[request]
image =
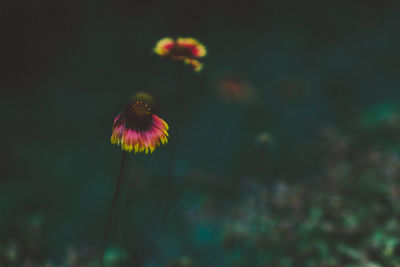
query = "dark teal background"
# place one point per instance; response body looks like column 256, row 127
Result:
column 69, row 67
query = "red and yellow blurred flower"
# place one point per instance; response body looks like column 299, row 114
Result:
column 187, row 50
column 138, row 129
column 234, row 88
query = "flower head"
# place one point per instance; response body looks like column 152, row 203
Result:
column 184, row 49
column 264, row 138
column 234, row 88
column 138, row 129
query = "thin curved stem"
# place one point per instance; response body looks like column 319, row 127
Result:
column 114, row 202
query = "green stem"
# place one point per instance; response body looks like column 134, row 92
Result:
column 114, row 202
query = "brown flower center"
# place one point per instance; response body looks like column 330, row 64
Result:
column 141, row 109
column 181, row 51
column 138, row 115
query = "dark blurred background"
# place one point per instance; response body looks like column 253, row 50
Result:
column 284, row 150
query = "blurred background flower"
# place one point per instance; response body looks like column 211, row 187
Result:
column 233, row 88
column 183, row 49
